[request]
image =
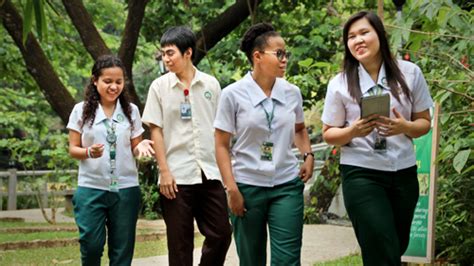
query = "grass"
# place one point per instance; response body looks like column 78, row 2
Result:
column 71, row 255
column 353, row 260
column 23, row 224
column 14, row 237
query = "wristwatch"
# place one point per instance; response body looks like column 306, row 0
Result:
column 306, row 154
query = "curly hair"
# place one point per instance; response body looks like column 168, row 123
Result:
column 256, row 38
column 92, row 97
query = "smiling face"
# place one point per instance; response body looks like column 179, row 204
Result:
column 267, row 60
column 174, row 60
column 363, row 42
column 110, row 84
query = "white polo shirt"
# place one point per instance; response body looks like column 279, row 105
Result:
column 95, row 172
column 340, row 110
column 189, row 144
column 241, row 113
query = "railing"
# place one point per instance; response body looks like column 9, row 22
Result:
column 12, row 193
column 13, row 175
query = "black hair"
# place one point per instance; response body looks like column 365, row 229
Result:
column 181, row 36
column 255, row 38
column 394, row 76
column 92, row 96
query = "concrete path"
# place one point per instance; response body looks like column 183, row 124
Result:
column 320, row 242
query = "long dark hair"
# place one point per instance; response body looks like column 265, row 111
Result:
column 393, row 74
column 256, row 38
column 92, row 97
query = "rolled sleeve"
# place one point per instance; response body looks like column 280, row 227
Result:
column 75, row 118
column 137, row 122
column 153, row 113
column 225, row 116
column 334, row 110
column 421, row 96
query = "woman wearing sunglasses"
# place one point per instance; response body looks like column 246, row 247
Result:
column 264, row 114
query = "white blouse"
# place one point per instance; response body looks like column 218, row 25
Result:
column 341, row 110
column 95, row 172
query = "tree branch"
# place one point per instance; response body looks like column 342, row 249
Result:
column 37, row 63
column 128, row 46
column 221, row 26
column 456, row 92
column 82, row 21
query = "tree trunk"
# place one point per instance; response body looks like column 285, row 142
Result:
column 222, row 25
column 38, row 64
column 82, row 21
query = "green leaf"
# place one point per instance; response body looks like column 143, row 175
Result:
column 322, row 64
column 460, row 160
column 306, row 63
column 27, row 19
column 40, row 18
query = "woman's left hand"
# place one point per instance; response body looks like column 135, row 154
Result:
column 144, row 148
column 390, row 127
column 306, row 170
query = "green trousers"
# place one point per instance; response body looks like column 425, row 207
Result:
column 94, row 211
column 281, row 207
column 380, row 205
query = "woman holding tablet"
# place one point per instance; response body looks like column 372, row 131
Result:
column 378, row 163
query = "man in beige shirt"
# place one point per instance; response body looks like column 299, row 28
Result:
column 180, row 111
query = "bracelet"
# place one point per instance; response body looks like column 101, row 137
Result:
column 89, row 154
column 306, row 154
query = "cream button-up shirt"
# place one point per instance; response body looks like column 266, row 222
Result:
column 189, row 144
column 340, row 110
column 95, row 172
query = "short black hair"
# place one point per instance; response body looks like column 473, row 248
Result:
column 256, row 38
column 181, row 36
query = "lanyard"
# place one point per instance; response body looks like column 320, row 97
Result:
column 269, row 116
column 112, row 141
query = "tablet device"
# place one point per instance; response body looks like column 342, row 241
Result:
column 376, row 104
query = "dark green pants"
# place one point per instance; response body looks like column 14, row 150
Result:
column 380, row 205
column 96, row 209
column 281, row 207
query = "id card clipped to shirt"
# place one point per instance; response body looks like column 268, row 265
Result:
column 185, row 108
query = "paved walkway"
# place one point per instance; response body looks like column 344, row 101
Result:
column 320, row 242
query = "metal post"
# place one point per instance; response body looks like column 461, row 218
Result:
column 12, row 182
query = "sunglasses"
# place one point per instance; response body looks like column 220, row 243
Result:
column 280, row 54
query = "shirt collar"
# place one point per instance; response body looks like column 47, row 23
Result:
column 256, row 93
column 118, row 115
column 366, row 82
column 198, row 77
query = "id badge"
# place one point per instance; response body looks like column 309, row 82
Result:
column 114, row 184
column 266, row 151
column 380, row 144
column 185, row 111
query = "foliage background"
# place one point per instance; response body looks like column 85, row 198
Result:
column 436, row 35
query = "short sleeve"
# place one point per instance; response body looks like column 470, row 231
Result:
column 421, row 96
column 299, row 107
column 225, row 115
column 153, row 112
column 137, row 122
column 334, row 111
column 75, row 118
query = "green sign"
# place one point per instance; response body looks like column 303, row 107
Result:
column 417, row 246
